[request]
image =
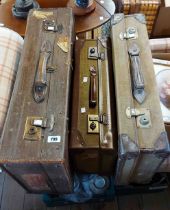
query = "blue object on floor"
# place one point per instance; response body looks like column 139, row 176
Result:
column 87, row 188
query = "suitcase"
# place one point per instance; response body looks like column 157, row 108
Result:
column 143, row 143
column 93, row 134
column 149, row 8
column 34, row 146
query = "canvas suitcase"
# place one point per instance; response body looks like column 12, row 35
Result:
column 93, row 134
column 143, row 143
column 34, row 145
column 149, row 8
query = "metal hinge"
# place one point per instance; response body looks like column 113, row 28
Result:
column 34, row 126
column 131, row 33
column 94, row 121
column 142, row 116
column 93, row 54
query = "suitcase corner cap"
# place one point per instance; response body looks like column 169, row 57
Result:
column 162, row 145
column 117, row 18
column 127, row 148
column 140, row 17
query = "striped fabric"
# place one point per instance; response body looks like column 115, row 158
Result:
column 10, row 51
column 160, row 45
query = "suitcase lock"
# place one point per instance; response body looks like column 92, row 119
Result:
column 142, row 116
column 50, row 25
column 94, row 121
column 131, row 33
column 34, row 126
column 93, row 54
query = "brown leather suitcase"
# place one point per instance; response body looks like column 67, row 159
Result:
column 93, row 133
column 34, row 146
column 143, row 144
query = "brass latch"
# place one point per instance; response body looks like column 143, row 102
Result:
column 50, row 25
column 94, row 121
column 93, row 54
column 131, row 33
column 142, row 116
column 34, row 126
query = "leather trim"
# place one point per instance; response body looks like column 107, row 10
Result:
column 128, row 149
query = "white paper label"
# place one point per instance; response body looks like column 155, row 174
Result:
column 83, row 110
column 38, row 122
column 85, row 79
column 101, row 17
column 54, row 139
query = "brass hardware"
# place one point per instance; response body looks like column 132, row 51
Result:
column 142, row 116
column 34, row 126
column 131, row 33
column 93, row 54
column 95, row 120
column 33, row 132
column 93, row 124
column 50, row 25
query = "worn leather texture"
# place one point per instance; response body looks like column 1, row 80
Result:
column 37, row 155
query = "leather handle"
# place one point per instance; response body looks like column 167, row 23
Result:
column 136, row 72
column 40, row 84
column 93, row 88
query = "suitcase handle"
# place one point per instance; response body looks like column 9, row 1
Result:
column 93, row 88
column 136, row 72
column 40, row 84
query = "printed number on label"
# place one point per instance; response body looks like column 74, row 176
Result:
column 54, row 139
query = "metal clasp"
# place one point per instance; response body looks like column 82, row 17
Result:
column 95, row 120
column 50, row 25
column 93, row 54
column 142, row 116
column 34, row 126
column 131, row 33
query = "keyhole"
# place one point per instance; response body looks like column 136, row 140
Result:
column 32, row 131
column 144, row 120
column 92, row 125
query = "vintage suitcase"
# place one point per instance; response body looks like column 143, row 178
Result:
column 149, row 8
column 93, row 134
column 34, row 146
column 143, row 143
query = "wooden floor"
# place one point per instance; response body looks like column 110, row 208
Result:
column 14, row 197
